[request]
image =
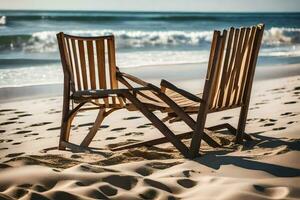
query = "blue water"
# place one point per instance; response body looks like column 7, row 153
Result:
column 29, row 54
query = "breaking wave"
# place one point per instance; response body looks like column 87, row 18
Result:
column 46, row 41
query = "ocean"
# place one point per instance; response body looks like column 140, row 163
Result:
column 29, row 53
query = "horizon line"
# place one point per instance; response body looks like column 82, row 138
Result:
column 148, row 11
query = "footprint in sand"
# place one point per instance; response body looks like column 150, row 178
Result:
column 31, row 134
column 297, row 88
column 291, row 122
column 134, row 133
column 124, row 182
column 6, row 110
column 268, row 124
column 118, row 129
column 290, row 102
column 40, row 124
column 226, row 117
column 276, row 89
column 161, row 165
column 54, row 128
column 12, row 119
column 11, row 155
column 108, row 190
column 39, row 138
column 144, row 126
column 260, row 103
column 279, row 128
column 131, row 118
column 270, row 120
column 186, row 183
column 16, row 143
column 4, row 148
column 187, row 173
column 2, row 131
column 7, row 123
column 273, row 120
column 19, row 112
column 75, row 156
column 286, row 113
column 25, row 115
column 275, row 192
column 110, row 138
column 22, row 132
column 149, row 194
column 157, row 185
column 104, row 126
column 144, row 171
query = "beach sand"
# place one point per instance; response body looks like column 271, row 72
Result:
column 266, row 168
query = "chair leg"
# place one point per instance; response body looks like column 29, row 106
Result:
column 242, row 124
column 88, row 139
column 65, row 123
column 159, row 125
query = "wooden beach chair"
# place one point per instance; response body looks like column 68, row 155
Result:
column 228, row 84
column 91, row 81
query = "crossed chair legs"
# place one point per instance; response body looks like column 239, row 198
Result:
column 169, row 136
column 198, row 131
column 67, row 119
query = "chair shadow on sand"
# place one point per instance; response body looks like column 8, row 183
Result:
column 217, row 159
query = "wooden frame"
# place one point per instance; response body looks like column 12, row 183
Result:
column 88, row 81
column 228, row 85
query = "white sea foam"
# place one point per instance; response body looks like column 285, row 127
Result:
column 46, row 41
column 281, row 36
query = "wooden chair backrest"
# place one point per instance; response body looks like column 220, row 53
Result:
column 88, row 62
column 231, row 67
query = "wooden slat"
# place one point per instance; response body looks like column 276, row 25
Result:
column 238, row 63
column 71, row 62
column 225, row 73
column 90, row 49
column 215, row 90
column 101, row 63
column 74, row 49
column 211, row 55
column 248, row 57
column 243, row 67
column 232, row 67
column 82, row 64
column 101, row 66
column 67, row 60
column 112, row 65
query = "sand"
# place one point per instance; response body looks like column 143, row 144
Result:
column 31, row 167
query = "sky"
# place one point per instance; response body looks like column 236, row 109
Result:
column 156, row 5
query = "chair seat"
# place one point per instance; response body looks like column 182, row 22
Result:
column 154, row 103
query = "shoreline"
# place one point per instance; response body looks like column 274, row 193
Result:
column 152, row 74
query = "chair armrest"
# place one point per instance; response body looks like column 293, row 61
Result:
column 122, row 75
column 166, row 84
column 103, row 93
